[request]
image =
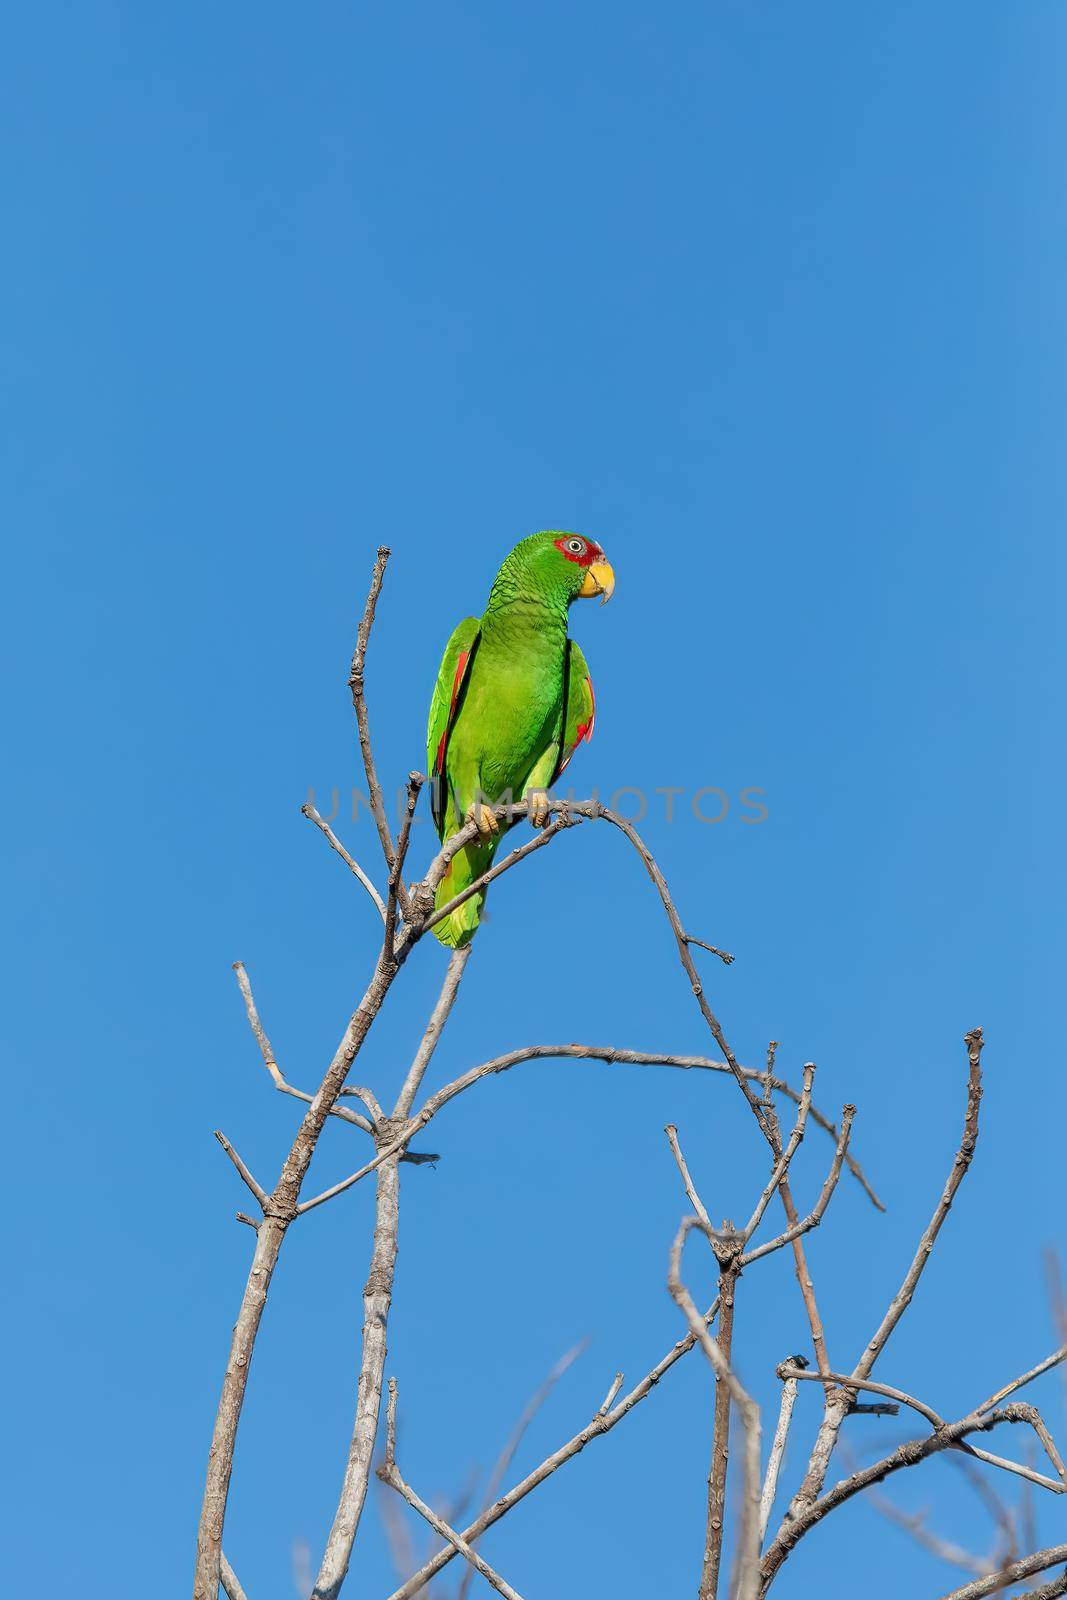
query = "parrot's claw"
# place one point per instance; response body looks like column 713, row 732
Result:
column 540, row 810
column 483, row 818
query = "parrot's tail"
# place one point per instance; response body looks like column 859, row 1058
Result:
column 458, row 928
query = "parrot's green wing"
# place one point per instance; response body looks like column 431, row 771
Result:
column 447, row 693
column 579, row 707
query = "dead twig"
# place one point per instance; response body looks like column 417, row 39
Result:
column 359, row 705
column 1027, row 1377
column 377, row 1300
column 1047, row 1591
column 350, row 862
column 602, row 1423
column 690, row 1188
column 748, row 1410
column 231, row 1585
column 804, row 1225
column 270, row 1062
column 405, row 1131
column 781, row 1434
column 613, row 1412
column 724, row 955
column 396, row 871
column 715, row 1522
column 390, row 1473
column 1028, row 1567
column 781, row 1165
column 512, row 860
column 391, row 1136
column 438, row 1017
column 257, row 1189
column 791, row 1370
column 281, row 1206
column 837, row 1404
column 614, row 1055
column 947, row 1437
column 527, row 1415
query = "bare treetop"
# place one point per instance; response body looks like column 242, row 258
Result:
column 740, row 1509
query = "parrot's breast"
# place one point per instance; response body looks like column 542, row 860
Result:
column 512, row 711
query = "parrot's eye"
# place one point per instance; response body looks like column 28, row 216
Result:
column 576, row 547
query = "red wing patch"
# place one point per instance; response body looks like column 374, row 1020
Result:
column 584, row 730
column 461, row 667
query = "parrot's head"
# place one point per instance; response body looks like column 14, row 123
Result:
column 563, row 566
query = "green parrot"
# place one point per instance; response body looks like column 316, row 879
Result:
column 513, row 701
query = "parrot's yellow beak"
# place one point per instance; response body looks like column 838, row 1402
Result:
column 599, row 579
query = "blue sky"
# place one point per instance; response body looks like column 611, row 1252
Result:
column 769, row 300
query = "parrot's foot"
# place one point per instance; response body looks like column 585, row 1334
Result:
column 482, row 816
column 540, row 811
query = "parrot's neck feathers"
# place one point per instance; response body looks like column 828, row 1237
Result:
column 517, row 596
column 522, row 615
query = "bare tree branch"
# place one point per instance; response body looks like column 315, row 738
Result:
column 377, row 1298
column 1027, row 1377
column 408, row 916
column 391, row 1136
column 794, row 1229
column 909, row 1454
column 715, row 1521
column 396, row 871
column 601, row 1423
column 1040, row 1561
column 229, row 1580
column 605, row 1419
column 1047, row 1591
column 359, row 705
column 724, row 955
column 279, row 1213
column 613, row 1055
column 257, row 1189
column 690, row 1188
column 407, row 1130
column 512, row 860
column 781, row 1166
column 1026, row 1413
column 386, row 1153
column 271, row 1064
column 527, row 1415
column 748, row 1576
column 389, row 1473
column 790, row 1370
column 375, row 1110
column 283, row 1204
column 438, row 1017
column 804, row 1225
column 781, row 1434
column 682, row 941
column 568, row 812
column 609, row 1399
column 350, row 862
column 727, row 1258
column 960, row 1166
column 837, row 1404
column 1016, row 1467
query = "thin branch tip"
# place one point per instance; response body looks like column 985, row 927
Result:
column 257, row 1189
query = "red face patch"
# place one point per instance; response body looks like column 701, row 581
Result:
column 583, row 552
